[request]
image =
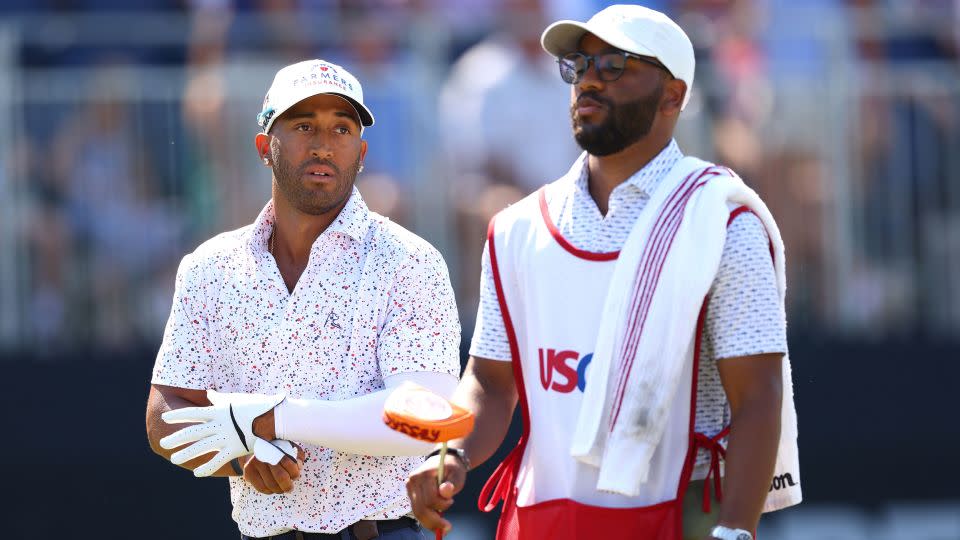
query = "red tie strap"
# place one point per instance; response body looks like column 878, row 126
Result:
column 501, row 482
column 717, row 452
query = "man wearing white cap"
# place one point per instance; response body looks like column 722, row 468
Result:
column 286, row 335
column 635, row 309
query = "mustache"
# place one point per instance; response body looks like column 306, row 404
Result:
column 595, row 96
column 314, row 162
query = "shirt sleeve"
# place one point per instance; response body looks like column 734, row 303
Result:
column 188, row 357
column 421, row 329
column 745, row 315
column 489, row 335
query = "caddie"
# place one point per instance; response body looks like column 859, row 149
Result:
column 635, row 310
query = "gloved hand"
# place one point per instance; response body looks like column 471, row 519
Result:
column 227, row 429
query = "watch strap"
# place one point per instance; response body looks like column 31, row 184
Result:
column 459, row 452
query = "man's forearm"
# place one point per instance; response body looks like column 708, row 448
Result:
column 165, row 399
column 751, row 456
column 492, row 404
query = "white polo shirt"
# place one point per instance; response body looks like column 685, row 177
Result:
column 744, row 315
column 374, row 300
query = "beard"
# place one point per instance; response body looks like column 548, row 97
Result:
column 625, row 124
column 313, row 201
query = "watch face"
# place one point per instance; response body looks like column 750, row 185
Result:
column 744, row 536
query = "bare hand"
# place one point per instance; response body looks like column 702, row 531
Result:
column 273, row 479
column 428, row 499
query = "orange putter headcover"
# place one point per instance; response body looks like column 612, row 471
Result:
column 416, row 411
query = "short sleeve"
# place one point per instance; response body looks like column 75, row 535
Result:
column 421, row 329
column 490, row 334
column 745, row 315
column 188, row 356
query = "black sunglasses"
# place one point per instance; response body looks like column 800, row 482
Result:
column 610, row 65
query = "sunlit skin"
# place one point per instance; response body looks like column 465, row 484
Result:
column 315, row 151
column 639, row 79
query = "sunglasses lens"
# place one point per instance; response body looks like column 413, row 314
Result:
column 567, row 73
column 572, row 67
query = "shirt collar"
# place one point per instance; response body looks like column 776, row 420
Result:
column 647, row 178
column 353, row 221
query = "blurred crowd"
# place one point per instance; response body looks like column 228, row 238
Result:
column 133, row 122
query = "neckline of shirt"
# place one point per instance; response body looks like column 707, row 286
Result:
column 352, row 221
column 645, row 180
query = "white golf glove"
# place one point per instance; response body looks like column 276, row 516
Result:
column 227, row 429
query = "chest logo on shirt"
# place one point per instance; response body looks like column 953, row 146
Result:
column 567, row 365
column 332, row 319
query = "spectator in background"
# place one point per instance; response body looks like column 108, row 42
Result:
column 206, row 152
column 46, row 235
column 502, row 137
column 466, row 21
column 792, row 183
column 767, row 68
column 906, row 198
column 284, row 30
column 897, row 121
column 393, row 174
column 123, row 233
column 88, row 43
column 725, row 34
column 807, row 60
column 496, row 84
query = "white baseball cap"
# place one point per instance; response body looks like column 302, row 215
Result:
column 309, row 78
column 630, row 28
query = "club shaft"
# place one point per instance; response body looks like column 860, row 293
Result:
column 443, row 457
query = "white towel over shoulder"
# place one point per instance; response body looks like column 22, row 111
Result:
column 662, row 276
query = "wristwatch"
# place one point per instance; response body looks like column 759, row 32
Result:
column 726, row 533
column 461, row 455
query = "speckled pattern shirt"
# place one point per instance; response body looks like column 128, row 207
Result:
column 374, row 300
column 744, row 316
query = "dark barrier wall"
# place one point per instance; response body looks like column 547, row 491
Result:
column 877, row 423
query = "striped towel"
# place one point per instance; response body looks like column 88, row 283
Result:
column 663, row 274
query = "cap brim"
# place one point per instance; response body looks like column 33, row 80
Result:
column 366, row 117
column 564, row 37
